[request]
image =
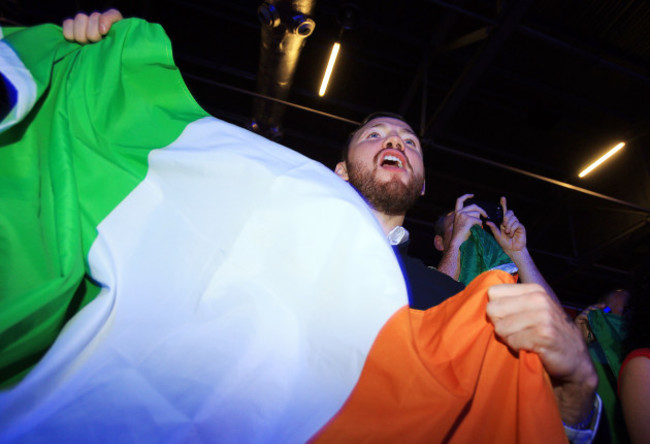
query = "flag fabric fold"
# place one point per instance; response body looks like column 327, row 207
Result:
column 205, row 284
column 447, row 378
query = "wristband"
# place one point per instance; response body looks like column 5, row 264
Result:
column 585, row 423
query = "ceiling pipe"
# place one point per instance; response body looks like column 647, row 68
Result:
column 285, row 26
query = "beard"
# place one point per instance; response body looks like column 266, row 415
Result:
column 392, row 198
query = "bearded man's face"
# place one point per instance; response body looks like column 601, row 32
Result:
column 385, row 165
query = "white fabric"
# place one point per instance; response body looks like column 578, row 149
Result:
column 509, row 267
column 244, row 285
column 20, row 78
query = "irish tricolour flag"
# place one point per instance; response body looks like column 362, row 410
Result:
column 168, row 277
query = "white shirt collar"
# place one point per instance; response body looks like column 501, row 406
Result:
column 398, row 235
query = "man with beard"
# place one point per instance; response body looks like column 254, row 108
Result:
column 383, row 162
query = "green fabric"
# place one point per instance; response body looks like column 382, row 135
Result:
column 480, row 253
column 607, row 355
column 609, row 329
column 60, row 176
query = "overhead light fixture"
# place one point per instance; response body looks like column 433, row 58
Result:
column 330, row 67
column 609, row 154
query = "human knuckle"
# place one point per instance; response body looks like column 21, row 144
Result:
column 537, row 290
column 546, row 332
column 501, row 328
column 492, row 310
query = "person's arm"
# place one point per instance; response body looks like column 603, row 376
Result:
column 526, row 317
column 85, row 28
column 528, row 271
column 464, row 219
column 634, row 391
column 511, row 236
column 450, row 263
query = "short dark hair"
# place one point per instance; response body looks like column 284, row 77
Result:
column 439, row 226
column 368, row 118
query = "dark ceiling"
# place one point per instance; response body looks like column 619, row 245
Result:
column 511, row 98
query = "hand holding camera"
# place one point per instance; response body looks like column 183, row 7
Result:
column 510, row 233
column 464, row 218
column 493, row 210
column 494, row 217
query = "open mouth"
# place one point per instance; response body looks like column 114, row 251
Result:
column 392, row 160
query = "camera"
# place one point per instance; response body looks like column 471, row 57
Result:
column 494, row 210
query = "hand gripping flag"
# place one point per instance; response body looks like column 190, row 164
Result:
column 190, row 281
column 481, row 252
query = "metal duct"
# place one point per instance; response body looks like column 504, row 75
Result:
column 285, row 26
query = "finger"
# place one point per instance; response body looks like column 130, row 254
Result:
column 586, row 311
column 92, row 29
column 529, row 318
column 517, row 338
column 474, row 210
column 598, row 306
column 517, row 313
column 504, row 204
column 508, row 219
column 581, row 318
column 461, row 201
column 538, row 339
column 68, row 29
column 80, row 26
column 513, row 224
column 493, row 228
column 516, row 307
column 465, row 222
column 507, row 290
column 107, row 19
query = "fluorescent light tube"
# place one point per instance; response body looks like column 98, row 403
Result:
column 330, row 67
column 609, row 154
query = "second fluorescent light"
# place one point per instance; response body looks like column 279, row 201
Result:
column 607, row 155
column 330, row 67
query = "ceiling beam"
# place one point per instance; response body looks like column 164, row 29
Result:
column 508, row 22
column 439, row 34
column 588, row 53
column 624, row 203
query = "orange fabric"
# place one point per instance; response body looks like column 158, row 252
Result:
column 441, row 375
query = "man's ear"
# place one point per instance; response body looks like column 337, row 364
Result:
column 341, row 170
column 438, row 243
